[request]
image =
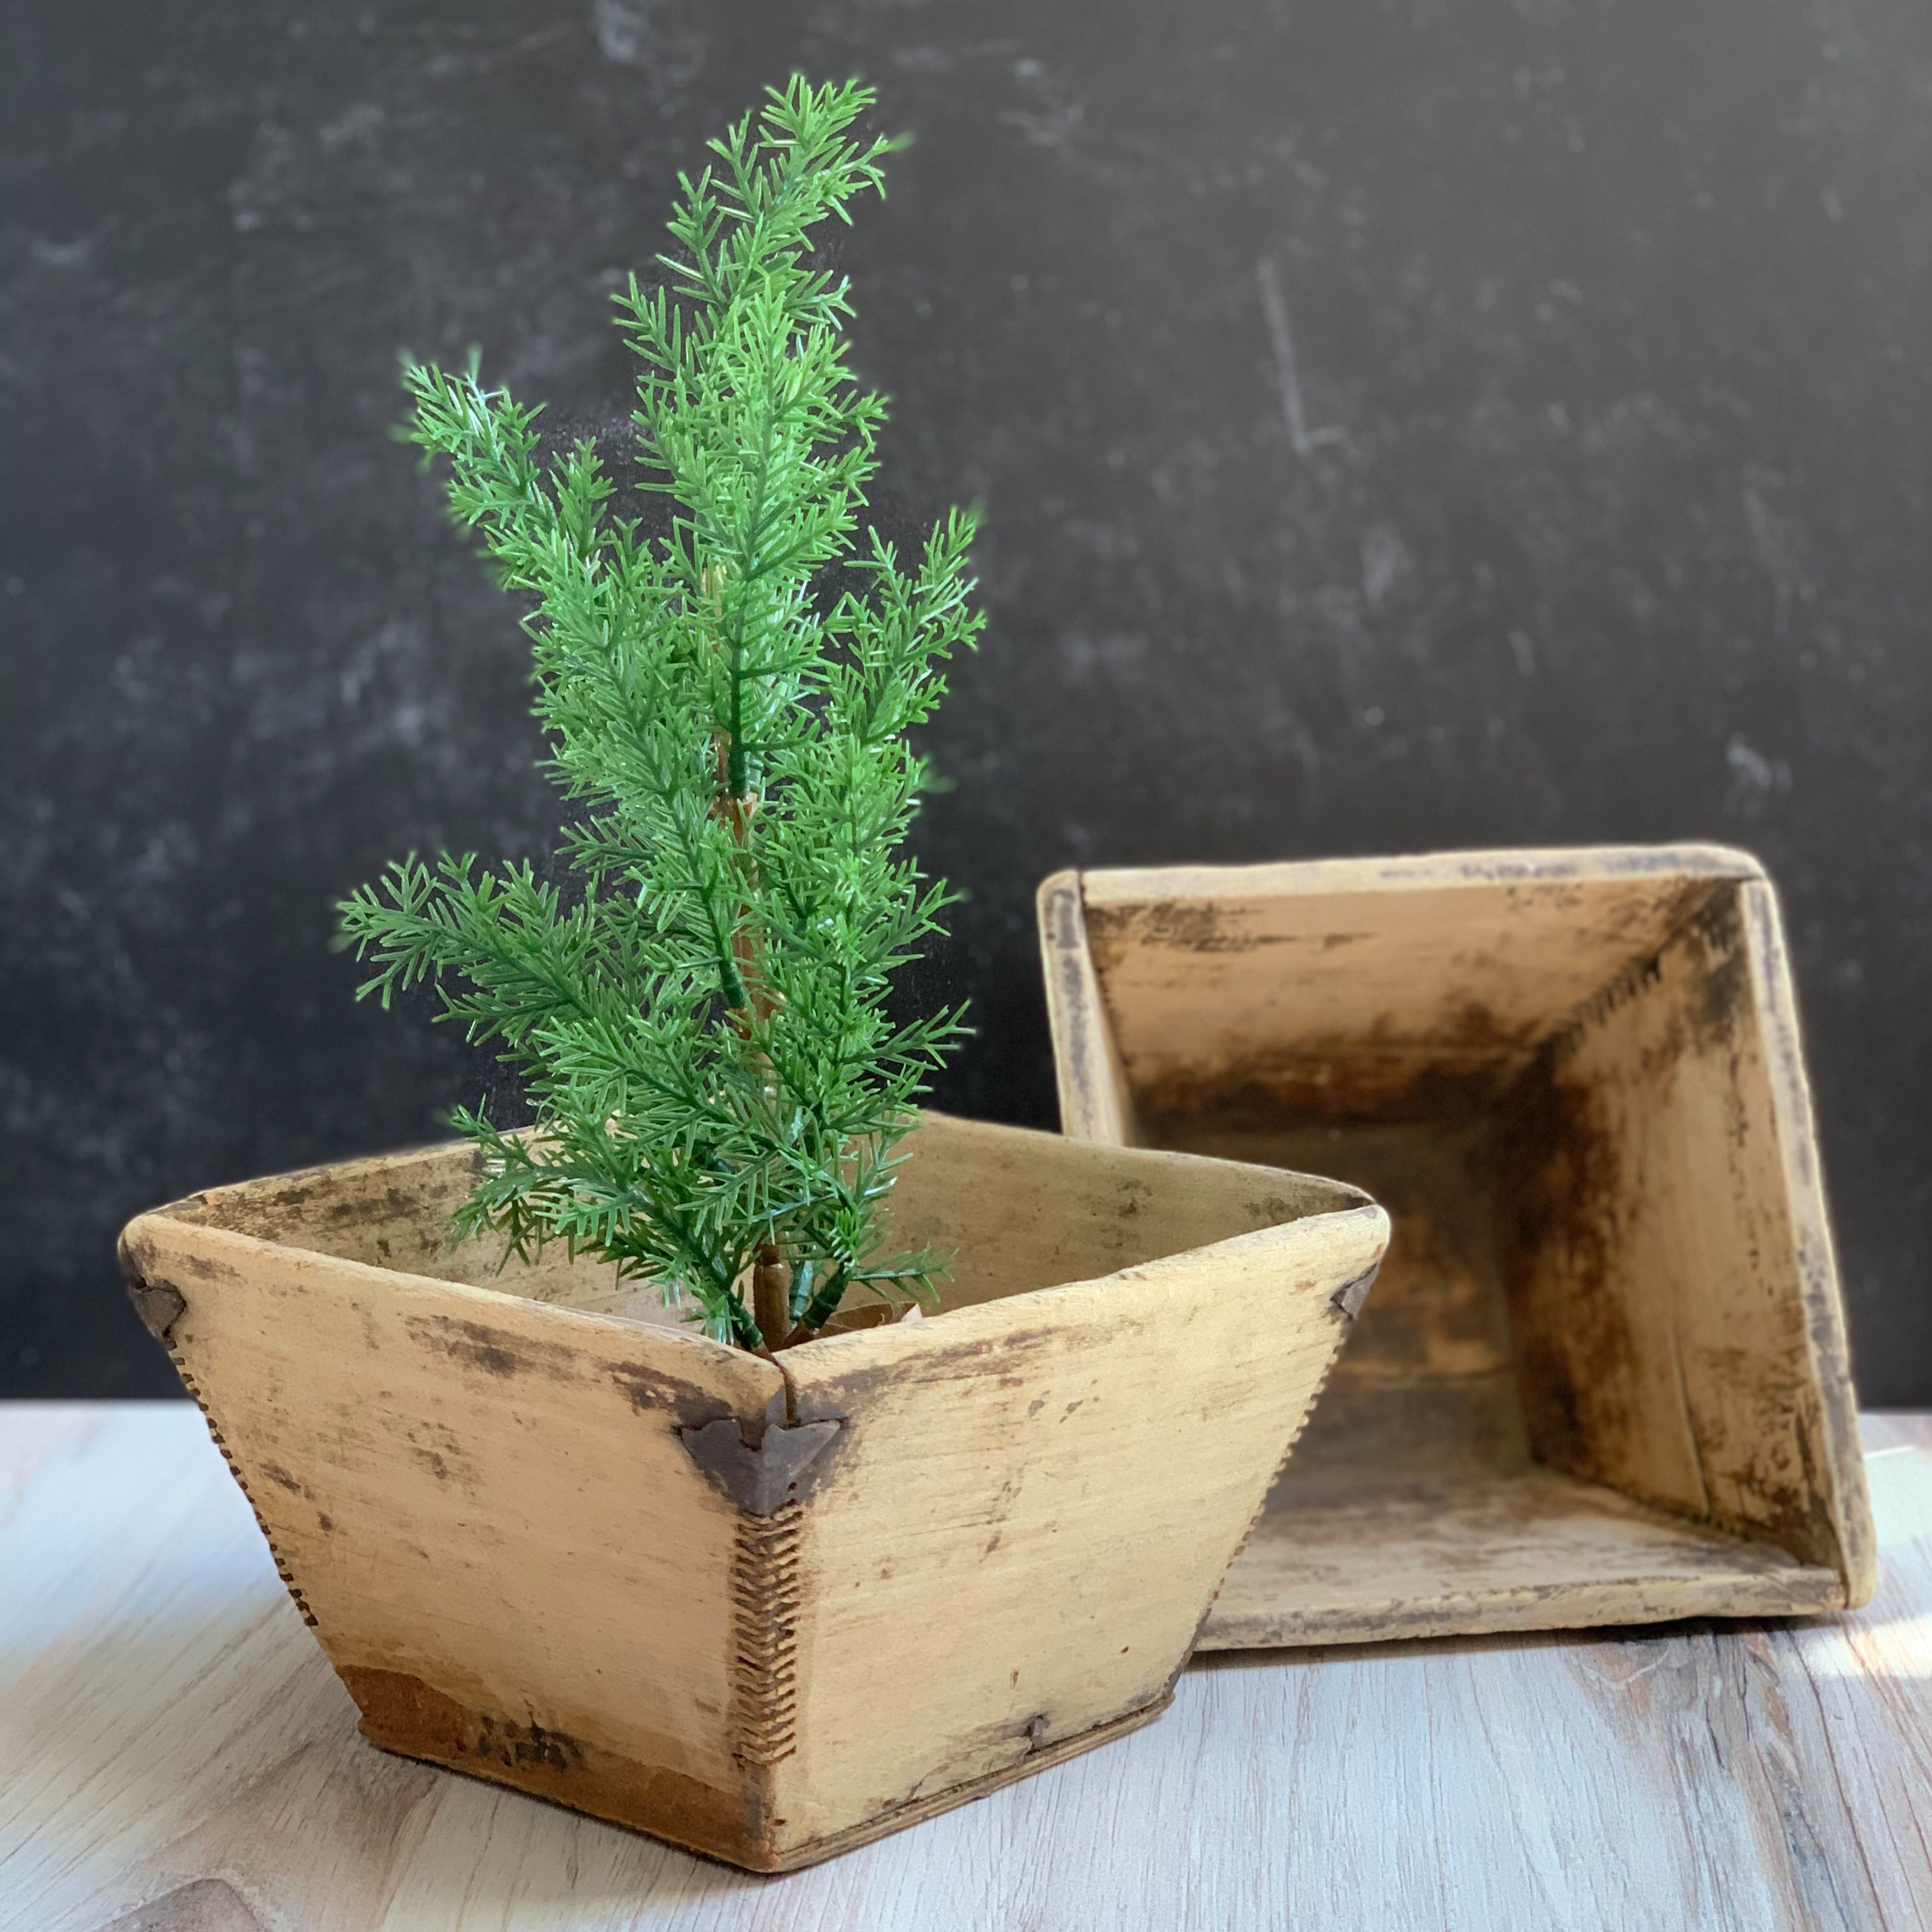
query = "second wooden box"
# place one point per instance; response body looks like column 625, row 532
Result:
column 1603, row 1378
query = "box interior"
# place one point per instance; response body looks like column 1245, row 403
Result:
column 1553, row 1405
column 1012, row 1211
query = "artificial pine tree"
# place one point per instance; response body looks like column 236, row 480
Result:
column 701, row 1022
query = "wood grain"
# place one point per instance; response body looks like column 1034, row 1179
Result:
column 1353, row 978
column 1676, row 1341
column 616, row 1563
column 1603, row 1377
column 171, row 1732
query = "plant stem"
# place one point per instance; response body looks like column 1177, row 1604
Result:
column 824, row 1304
column 735, row 803
column 771, row 1297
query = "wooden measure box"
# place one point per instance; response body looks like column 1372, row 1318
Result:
column 1603, row 1378
column 549, row 1534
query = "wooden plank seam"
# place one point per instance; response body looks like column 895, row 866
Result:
column 160, row 1306
column 767, row 1598
column 282, row 1569
column 1346, row 1303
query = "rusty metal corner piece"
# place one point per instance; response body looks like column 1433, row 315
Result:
column 1348, row 1299
column 159, row 1305
column 761, row 1480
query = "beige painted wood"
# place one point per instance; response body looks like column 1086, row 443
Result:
column 1095, row 1102
column 180, row 1758
column 1101, row 1450
column 1603, row 1377
column 612, row 1562
column 1669, row 1333
column 1409, row 1555
column 1361, row 976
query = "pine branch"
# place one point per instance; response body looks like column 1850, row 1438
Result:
column 703, row 1028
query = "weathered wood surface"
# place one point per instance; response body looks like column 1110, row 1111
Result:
column 617, row 1565
column 1364, row 974
column 175, row 1755
column 1603, row 1376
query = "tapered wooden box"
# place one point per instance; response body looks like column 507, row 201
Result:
column 765, row 1608
column 1604, row 1377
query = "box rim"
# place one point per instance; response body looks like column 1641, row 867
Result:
column 855, row 1348
column 1104, row 888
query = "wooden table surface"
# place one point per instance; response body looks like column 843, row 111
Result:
column 176, row 1756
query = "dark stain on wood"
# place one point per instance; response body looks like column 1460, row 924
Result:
column 501, row 1352
column 1325, row 1196
column 1000, row 1359
column 1570, row 1198
column 518, row 1746
column 652, row 1392
column 1323, row 1080
column 401, row 1713
column 1721, row 1000
column 1561, row 1175
column 1197, row 926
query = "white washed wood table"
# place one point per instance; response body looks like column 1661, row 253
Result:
column 176, row 1756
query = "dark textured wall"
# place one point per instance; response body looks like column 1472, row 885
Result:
column 1400, row 426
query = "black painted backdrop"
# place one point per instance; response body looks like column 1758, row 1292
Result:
column 1401, row 426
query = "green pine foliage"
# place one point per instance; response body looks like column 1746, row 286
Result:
column 701, row 1021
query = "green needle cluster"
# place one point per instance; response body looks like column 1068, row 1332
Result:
column 701, row 1020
